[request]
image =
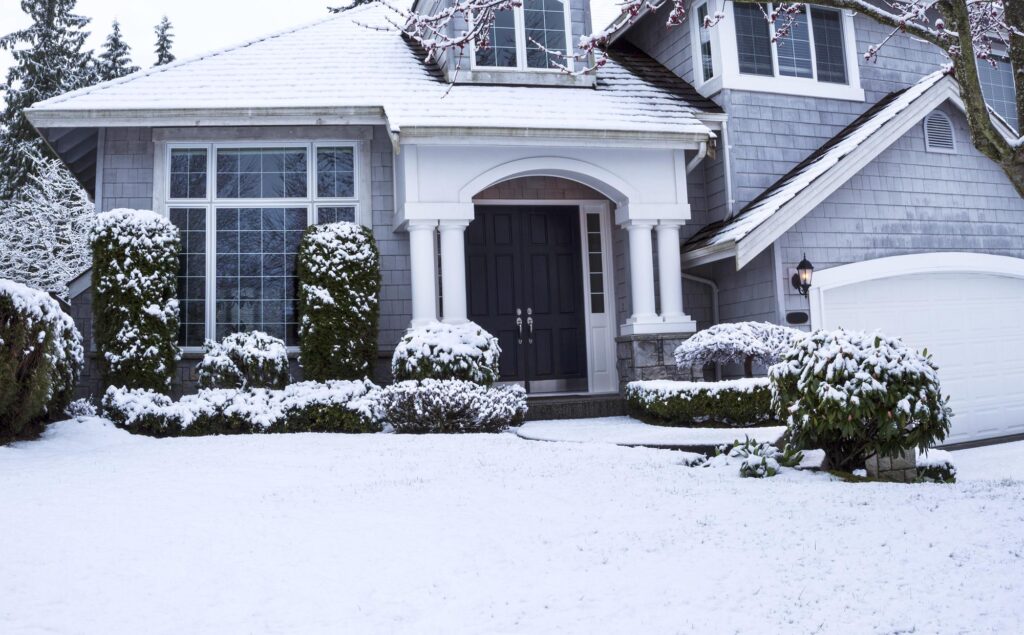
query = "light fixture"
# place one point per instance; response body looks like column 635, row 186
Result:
column 803, row 276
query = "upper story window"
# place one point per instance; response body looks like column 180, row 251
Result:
column 816, row 58
column 534, row 36
column 1000, row 93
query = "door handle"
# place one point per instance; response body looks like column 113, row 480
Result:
column 519, row 324
column 529, row 322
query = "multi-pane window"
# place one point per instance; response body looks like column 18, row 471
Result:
column 191, row 224
column 707, row 62
column 813, row 48
column 241, row 229
column 997, row 85
column 531, row 36
column 595, row 259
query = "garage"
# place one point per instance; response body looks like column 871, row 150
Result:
column 966, row 309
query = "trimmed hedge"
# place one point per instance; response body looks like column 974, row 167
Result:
column 739, row 403
column 244, row 360
column 40, row 360
column 135, row 306
column 449, row 406
column 339, row 283
column 855, row 394
column 336, row 406
column 441, row 351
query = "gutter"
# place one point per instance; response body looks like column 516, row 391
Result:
column 711, row 284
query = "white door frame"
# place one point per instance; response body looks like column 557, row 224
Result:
column 910, row 264
column 602, row 372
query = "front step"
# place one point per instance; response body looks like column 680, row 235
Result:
column 577, row 407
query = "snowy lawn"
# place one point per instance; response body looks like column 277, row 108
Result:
column 629, row 431
column 108, row 533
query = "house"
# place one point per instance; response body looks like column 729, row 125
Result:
column 591, row 221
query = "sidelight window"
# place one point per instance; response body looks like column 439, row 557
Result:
column 241, row 221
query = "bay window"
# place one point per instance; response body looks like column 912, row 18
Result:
column 533, row 36
column 241, row 211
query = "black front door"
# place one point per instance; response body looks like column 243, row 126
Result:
column 525, row 285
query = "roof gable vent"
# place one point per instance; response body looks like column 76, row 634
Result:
column 938, row 133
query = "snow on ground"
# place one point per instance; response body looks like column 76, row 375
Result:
column 107, row 533
column 1004, row 461
column 629, row 431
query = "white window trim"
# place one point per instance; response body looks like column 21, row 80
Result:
column 726, row 52
column 162, row 202
column 927, row 138
column 521, row 66
column 698, row 55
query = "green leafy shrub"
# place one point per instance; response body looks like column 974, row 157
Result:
column 40, row 360
column 935, row 466
column 744, row 343
column 447, row 351
column 855, row 394
column 135, row 310
column 339, row 283
column 449, row 406
column 727, row 404
column 335, row 406
column 244, row 360
column 756, row 459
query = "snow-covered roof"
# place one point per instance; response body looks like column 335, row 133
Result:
column 832, row 157
column 339, row 64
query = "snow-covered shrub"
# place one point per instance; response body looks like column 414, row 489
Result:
column 244, row 360
column 734, row 403
column 135, row 310
column 339, row 283
column 334, row 406
column 855, row 394
column 447, row 351
column 40, row 359
column 756, row 460
column 744, row 343
column 44, row 229
column 80, row 409
column 935, row 466
column 448, row 406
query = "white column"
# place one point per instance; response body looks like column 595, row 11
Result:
column 670, row 281
column 424, row 271
column 641, row 271
column 453, row 270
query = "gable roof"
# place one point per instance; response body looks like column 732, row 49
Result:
column 339, row 70
column 792, row 197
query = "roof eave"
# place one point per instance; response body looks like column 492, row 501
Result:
column 185, row 117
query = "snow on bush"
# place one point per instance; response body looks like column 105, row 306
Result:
column 244, row 360
column 735, row 403
column 44, row 229
column 333, row 406
column 744, row 343
column 135, row 310
column 339, row 283
column 447, row 351
column 80, row 409
column 855, row 394
column 448, row 406
column 935, row 466
column 756, row 460
column 40, row 359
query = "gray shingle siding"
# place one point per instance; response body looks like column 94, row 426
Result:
column 910, row 201
column 127, row 169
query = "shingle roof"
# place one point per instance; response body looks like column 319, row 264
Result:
column 339, row 63
column 828, row 157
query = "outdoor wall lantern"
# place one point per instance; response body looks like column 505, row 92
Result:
column 803, row 276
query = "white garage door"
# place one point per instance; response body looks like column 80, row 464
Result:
column 972, row 323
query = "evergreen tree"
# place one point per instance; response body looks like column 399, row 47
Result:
column 116, row 59
column 164, row 40
column 48, row 60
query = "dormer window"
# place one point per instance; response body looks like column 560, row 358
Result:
column 816, row 58
column 534, row 36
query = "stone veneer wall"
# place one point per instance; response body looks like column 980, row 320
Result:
column 643, row 357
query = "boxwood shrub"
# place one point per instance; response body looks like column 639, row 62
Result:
column 447, row 351
column 734, row 403
column 339, row 283
column 856, row 394
column 448, row 406
column 244, row 360
column 336, row 406
column 40, row 360
column 135, row 309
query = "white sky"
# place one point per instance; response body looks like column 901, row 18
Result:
column 201, row 25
